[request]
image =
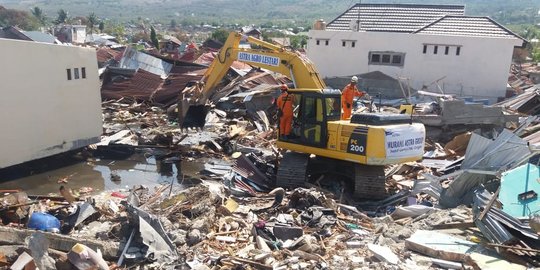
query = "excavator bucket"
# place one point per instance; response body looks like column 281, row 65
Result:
column 191, row 114
column 194, row 116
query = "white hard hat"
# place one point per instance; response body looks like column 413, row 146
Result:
column 354, row 79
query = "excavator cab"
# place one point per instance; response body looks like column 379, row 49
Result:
column 315, row 109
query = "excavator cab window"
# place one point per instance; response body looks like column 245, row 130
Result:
column 333, row 108
column 313, row 120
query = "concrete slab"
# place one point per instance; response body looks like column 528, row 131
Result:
column 440, row 245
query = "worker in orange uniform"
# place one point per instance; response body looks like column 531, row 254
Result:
column 285, row 103
column 347, row 95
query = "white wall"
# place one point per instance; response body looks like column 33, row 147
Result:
column 481, row 69
column 41, row 112
column 79, row 34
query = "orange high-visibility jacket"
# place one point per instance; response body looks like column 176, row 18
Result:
column 285, row 102
column 349, row 92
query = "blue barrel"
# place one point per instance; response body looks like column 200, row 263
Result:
column 44, row 222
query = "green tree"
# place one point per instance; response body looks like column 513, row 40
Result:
column 62, row 17
column 101, row 26
column 22, row 19
column 38, row 13
column 91, row 21
column 220, row 35
column 153, row 37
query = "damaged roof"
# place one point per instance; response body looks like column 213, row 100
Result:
column 392, row 17
column 451, row 25
column 146, row 86
column 133, row 59
column 105, row 54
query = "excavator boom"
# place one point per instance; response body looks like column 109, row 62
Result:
column 275, row 58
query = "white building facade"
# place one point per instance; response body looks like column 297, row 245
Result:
column 50, row 100
column 466, row 56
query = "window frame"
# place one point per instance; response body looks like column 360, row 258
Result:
column 69, row 77
column 83, row 72
column 386, row 58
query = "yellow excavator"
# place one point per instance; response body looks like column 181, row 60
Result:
column 322, row 144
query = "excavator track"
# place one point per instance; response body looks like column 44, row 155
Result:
column 369, row 182
column 292, row 170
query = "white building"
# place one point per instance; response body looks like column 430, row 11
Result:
column 75, row 34
column 466, row 55
column 50, row 100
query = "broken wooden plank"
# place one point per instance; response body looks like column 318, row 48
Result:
column 447, row 264
column 456, row 225
column 14, row 236
column 253, row 263
column 440, row 245
column 489, row 204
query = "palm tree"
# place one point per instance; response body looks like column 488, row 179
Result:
column 101, row 26
column 62, row 16
column 92, row 21
column 38, row 13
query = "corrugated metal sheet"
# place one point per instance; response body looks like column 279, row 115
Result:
column 392, row 17
column 105, row 54
column 527, row 102
column 467, row 26
column 495, row 223
column 498, row 155
column 145, row 86
column 134, row 59
column 503, row 153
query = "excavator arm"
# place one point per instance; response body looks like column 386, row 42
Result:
column 275, row 58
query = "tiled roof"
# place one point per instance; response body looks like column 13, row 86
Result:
column 392, row 17
column 467, row 26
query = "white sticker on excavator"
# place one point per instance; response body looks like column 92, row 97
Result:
column 405, row 141
column 258, row 58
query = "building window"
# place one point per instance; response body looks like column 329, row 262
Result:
column 353, row 44
column 76, row 73
column 425, row 49
column 435, row 49
column 83, row 73
column 446, row 49
column 396, row 59
column 343, row 43
column 68, row 74
column 387, row 58
column 375, row 58
column 326, row 42
column 318, row 42
column 458, row 50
